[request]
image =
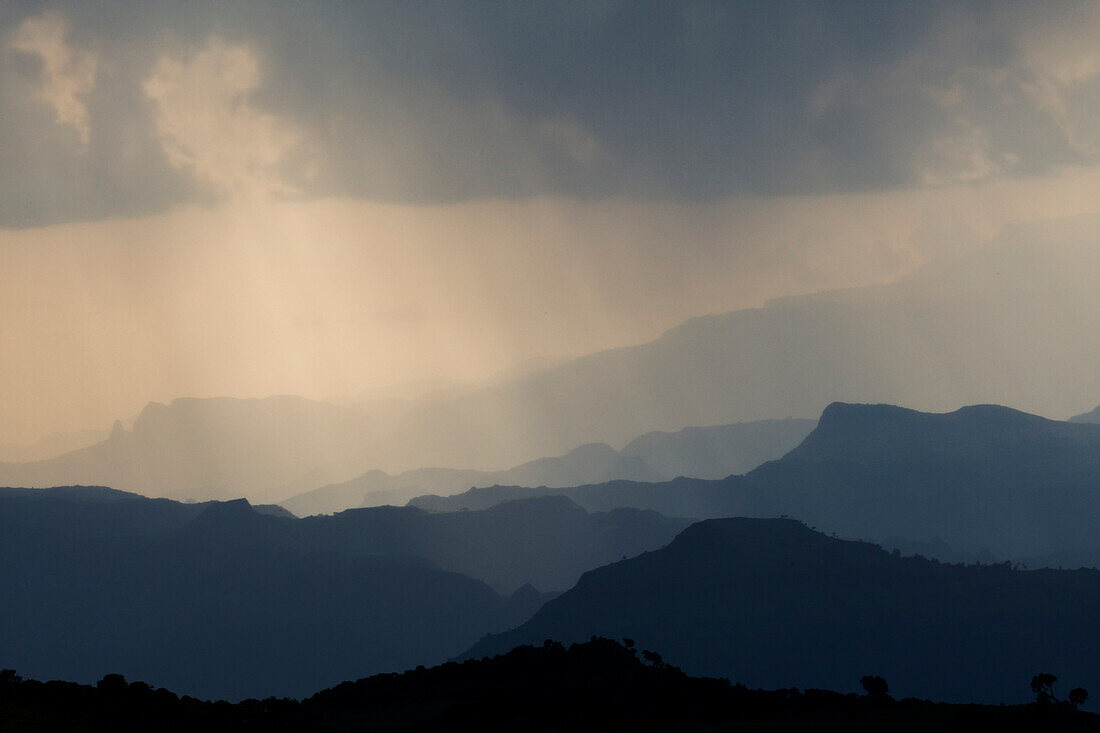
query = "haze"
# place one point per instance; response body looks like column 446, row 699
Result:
column 355, row 201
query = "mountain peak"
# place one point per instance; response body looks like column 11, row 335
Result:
column 1090, row 417
column 743, row 533
column 226, row 510
column 874, row 433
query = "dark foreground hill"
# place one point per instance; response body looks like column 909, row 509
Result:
column 771, row 603
column 982, row 478
column 599, row 685
column 218, row 599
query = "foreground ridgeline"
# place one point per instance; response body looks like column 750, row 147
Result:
column 596, row 685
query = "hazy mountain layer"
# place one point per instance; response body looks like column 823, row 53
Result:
column 706, row 452
column 1011, row 324
column 980, row 478
column 696, row 498
column 770, row 602
column 1091, row 417
column 547, row 542
column 592, row 463
column 50, row 446
column 717, row 451
column 215, row 448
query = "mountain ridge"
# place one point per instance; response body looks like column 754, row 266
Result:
column 757, row 600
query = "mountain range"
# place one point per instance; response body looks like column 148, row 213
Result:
column 770, row 603
column 221, row 600
column 980, row 479
column 706, row 452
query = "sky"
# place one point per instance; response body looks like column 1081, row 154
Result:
column 330, row 199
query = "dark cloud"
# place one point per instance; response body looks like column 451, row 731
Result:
column 419, row 101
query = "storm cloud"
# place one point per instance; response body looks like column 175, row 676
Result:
column 417, row 102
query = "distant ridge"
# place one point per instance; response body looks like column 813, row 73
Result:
column 590, row 463
column 982, row 481
column 215, row 448
column 715, row 452
column 1092, row 416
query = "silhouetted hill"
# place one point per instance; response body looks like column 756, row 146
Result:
column 770, row 602
column 592, row 463
column 73, row 513
column 219, row 600
column 717, row 451
column 598, row 685
column 1089, row 417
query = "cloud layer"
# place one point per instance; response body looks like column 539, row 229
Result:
column 429, row 102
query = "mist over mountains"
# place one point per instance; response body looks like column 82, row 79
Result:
column 1014, row 323
column 264, row 449
column 50, row 446
column 1010, row 324
column 226, row 599
column 584, row 366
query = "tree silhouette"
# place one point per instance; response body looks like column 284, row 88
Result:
column 112, row 682
column 1078, row 696
column 875, row 686
column 1042, row 685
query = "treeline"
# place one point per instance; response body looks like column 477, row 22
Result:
column 599, row 685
